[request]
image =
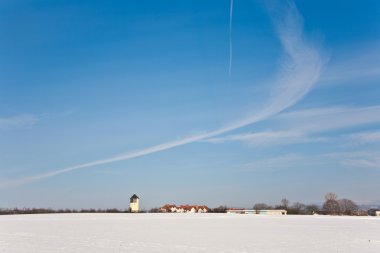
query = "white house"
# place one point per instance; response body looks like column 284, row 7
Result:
column 169, row 208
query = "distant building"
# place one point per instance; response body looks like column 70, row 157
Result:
column 374, row 212
column 169, row 208
column 265, row 212
column 134, row 204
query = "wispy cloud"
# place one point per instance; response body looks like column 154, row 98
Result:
column 309, row 125
column 299, row 72
column 330, row 118
column 371, row 163
column 275, row 163
column 353, row 154
column 24, row 120
column 268, row 138
column 365, row 137
column 354, row 65
column 364, row 159
column 29, row 120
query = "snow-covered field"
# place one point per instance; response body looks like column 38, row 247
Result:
column 94, row 233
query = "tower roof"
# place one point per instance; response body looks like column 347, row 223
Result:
column 134, row 196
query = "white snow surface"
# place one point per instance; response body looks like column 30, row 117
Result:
column 230, row 233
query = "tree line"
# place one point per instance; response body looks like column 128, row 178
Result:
column 7, row 211
column 331, row 206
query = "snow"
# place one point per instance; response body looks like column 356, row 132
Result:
column 229, row 233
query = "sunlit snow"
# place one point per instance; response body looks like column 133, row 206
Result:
column 233, row 233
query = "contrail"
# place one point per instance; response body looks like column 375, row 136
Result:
column 230, row 38
column 299, row 73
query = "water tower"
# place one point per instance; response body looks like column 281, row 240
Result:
column 134, row 204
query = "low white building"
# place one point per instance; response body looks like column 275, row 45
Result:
column 262, row 212
column 374, row 212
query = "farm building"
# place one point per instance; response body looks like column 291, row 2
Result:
column 374, row 212
column 168, row 208
column 263, row 212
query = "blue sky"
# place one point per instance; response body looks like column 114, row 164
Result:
column 103, row 99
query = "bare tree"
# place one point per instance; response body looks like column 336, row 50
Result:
column 155, row 210
column 261, row 206
column 311, row 209
column 331, row 205
column 331, row 196
column 219, row 209
column 285, row 203
column 348, row 207
column 298, row 208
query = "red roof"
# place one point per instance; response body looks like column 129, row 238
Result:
column 185, row 207
column 168, row 207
